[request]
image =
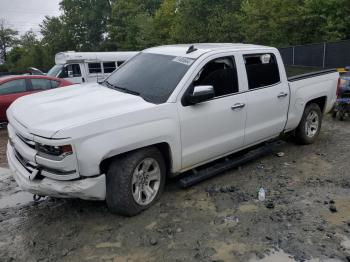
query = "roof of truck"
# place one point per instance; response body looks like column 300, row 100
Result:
column 181, row 49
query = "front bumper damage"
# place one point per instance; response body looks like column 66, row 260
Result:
column 86, row 188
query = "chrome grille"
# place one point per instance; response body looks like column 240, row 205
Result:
column 25, row 163
column 27, row 141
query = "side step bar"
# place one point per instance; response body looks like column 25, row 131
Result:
column 229, row 162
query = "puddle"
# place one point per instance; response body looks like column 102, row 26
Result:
column 346, row 243
column 16, row 199
column 281, row 256
column 343, row 213
column 276, row 256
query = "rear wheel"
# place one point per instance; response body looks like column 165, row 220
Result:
column 134, row 182
column 341, row 115
column 334, row 114
column 310, row 125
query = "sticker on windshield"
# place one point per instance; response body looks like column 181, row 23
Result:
column 183, row 60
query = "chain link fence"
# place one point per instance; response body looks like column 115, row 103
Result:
column 325, row 55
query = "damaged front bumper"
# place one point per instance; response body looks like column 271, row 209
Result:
column 87, row 188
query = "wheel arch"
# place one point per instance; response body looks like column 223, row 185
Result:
column 320, row 101
column 163, row 147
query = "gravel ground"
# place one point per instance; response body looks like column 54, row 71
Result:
column 306, row 215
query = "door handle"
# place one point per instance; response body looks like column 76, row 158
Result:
column 237, row 106
column 282, row 95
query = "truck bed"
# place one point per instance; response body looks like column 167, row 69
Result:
column 320, row 85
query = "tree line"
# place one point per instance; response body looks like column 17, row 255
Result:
column 110, row 25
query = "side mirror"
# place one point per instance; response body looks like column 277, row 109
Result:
column 201, row 94
column 70, row 73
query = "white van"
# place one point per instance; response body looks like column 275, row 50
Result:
column 80, row 67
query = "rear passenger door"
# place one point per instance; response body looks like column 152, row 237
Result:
column 267, row 97
column 39, row 84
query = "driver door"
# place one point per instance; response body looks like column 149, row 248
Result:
column 213, row 128
column 73, row 73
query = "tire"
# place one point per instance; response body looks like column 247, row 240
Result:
column 308, row 131
column 126, row 178
column 341, row 115
column 334, row 114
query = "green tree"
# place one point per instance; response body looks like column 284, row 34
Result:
column 55, row 35
column 28, row 39
column 203, row 20
column 326, row 20
column 85, row 22
column 131, row 26
column 8, row 38
column 164, row 22
column 271, row 22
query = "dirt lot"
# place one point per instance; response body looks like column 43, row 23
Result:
column 217, row 220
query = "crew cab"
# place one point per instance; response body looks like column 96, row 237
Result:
column 168, row 110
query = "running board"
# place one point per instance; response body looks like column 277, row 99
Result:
column 229, row 162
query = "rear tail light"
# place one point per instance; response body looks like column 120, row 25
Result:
column 338, row 87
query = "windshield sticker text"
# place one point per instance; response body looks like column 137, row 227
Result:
column 183, row 60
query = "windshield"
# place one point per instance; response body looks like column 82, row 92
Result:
column 151, row 76
column 55, row 70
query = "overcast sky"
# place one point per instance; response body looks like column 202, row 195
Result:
column 23, row 15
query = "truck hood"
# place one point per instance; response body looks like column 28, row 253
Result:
column 46, row 113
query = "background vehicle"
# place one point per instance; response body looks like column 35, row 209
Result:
column 80, row 67
column 13, row 87
column 342, row 104
column 169, row 110
column 34, row 71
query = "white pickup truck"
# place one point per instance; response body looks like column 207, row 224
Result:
column 168, row 110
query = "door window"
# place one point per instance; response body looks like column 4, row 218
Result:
column 262, row 70
column 14, row 86
column 221, row 73
column 54, row 83
column 108, row 67
column 71, row 70
column 94, row 68
column 40, row 84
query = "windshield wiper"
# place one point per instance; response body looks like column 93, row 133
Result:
column 125, row 90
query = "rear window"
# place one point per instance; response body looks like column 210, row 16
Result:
column 13, row 86
column 262, row 70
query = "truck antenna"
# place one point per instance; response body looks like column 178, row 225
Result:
column 191, row 49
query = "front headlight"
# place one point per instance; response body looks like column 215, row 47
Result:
column 54, row 152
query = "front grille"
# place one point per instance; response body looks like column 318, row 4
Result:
column 29, row 166
column 27, row 141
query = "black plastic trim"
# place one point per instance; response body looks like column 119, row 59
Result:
column 312, row 74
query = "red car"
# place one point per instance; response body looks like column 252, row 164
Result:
column 13, row 87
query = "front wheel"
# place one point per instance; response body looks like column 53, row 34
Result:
column 310, row 125
column 135, row 181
